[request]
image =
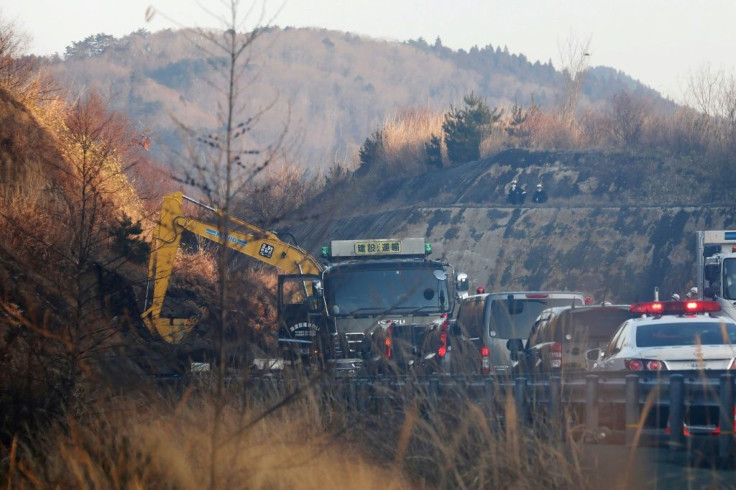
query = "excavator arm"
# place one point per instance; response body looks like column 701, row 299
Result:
column 254, row 242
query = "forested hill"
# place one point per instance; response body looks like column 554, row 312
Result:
column 330, row 89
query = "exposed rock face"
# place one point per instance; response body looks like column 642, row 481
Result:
column 603, row 231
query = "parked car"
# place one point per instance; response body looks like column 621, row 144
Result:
column 562, row 335
column 476, row 342
column 672, row 336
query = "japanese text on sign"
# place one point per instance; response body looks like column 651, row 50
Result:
column 378, row 247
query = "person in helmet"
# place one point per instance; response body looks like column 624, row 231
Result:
column 516, row 193
column 480, row 290
column 539, row 195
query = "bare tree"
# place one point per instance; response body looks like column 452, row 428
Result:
column 575, row 59
column 223, row 161
column 97, row 144
column 20, row 74
column 713, row 94
column 270, row 199
column 627, row 114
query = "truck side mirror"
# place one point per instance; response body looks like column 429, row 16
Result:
column 711, row 272
column 711, row 249
column 461, row 283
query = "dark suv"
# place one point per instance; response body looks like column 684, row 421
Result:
column 561, row 336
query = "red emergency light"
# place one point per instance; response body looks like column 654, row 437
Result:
column 675, row 307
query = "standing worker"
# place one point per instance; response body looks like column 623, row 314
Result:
column 539, row 195
column 516, row 194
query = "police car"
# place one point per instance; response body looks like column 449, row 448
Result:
column 670, row 336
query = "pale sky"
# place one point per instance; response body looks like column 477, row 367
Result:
column 661, row 43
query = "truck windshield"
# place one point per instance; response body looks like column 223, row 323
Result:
column 404, row 289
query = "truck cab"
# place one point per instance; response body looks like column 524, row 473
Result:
column 374, row 302
column 717, row 268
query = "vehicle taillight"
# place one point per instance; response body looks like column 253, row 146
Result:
column 644, row 365
column 387, row 343
column 655, row 366
column 485, row 360
column 442, row 349
column 555, row 355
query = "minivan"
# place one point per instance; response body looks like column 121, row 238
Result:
column 562, row 335
column 490, row 328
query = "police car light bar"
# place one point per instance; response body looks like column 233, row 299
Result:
column 675, row 307
column 406, row 247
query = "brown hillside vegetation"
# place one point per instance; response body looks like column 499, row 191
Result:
column 77, row 409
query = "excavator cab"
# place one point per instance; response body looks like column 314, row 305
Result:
column 300, row 306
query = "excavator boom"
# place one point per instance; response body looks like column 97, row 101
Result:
column 254, row 242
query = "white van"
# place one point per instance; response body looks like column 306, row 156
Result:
column 490, row 328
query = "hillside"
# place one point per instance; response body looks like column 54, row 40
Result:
column 616, row 224
column 331, row 88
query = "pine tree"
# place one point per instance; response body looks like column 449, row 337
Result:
column 369, row 153
column 464, row 129
column 433, row 150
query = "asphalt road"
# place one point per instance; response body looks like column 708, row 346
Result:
column 656, row 466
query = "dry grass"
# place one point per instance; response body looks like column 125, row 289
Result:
column 404, row 137
column 138, row 442
column 464, row 443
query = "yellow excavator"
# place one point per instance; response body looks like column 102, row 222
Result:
column 243, row 237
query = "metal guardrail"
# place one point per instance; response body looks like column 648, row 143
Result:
column 631, row 395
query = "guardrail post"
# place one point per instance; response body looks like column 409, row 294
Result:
column 555, row 406
column 632, row 408
column 520, row 400
column 362, row 395
column 488, row 398
column 434, row 389
column 725, row 419
column 352, row 394
column 677, row 411
column 386, row 394
column 591, row 406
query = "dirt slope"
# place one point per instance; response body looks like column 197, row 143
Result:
column 613, row 227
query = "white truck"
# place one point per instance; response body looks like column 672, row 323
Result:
column 716, row 275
